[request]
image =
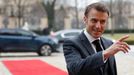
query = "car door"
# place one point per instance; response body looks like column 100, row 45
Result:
column 9, row 40
column 27, row 41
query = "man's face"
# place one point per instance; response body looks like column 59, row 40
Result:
column 95, row 22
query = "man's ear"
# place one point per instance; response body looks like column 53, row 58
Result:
column 85, row 19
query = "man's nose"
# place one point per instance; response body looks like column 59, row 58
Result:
column 98, row 25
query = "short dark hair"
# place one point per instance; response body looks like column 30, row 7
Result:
column 98, row 6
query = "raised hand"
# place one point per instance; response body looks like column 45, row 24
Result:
column 119, row 45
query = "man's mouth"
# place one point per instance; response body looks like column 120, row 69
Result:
column 97, row 31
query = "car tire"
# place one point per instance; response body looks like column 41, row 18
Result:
column 45, row 50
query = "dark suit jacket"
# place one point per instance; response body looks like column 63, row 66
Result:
column 81, row 58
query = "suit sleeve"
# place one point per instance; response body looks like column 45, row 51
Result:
column 76, row 64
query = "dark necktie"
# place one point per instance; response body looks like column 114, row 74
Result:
column 97, row 45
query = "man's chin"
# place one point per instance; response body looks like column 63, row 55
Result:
column 97, row 36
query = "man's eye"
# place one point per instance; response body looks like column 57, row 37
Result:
column 94, row 21
column 102, row 22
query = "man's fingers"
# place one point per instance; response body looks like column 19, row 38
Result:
column 123, row 38
column 126, row 45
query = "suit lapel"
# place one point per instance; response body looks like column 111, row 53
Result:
column 104, row 43
column 110, row 59
column 86, row 43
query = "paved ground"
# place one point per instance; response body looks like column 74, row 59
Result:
column 124, row 61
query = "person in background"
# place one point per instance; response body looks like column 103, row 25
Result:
column 89, row 53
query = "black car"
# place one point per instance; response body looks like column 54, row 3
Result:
column 19, row 40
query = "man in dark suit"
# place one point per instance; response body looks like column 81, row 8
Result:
column 90, row 53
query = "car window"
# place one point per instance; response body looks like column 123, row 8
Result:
column 13, row 34
column 9, row 32
column 24, row 33
column 71, row 34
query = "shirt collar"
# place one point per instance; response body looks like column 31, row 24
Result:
column 89, row 37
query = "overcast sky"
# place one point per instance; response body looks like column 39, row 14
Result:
column 82, row 3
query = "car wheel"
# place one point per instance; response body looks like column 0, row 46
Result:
column 45, row 50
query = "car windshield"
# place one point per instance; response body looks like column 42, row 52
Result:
column 35, row 34
column 71, row 34
column 24, row 32
column 67, row 33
